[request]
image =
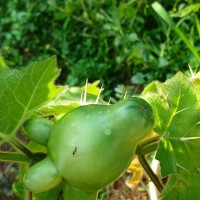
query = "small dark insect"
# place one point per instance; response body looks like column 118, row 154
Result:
column 74, row 152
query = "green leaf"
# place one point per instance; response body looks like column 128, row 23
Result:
column 72, row 97
column 195, row 79
column 2, row 62
column 13, row 157
column 168, row 164
column 189, row 9
column 158, row 8
column 197, row 24
column 162, row 13
column 185, row 185
column 176, row 104
column 24, row 91
column 19, row 189
column 138, row 78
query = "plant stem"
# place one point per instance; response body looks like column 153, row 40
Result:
column 14, row 157
column 147, row 149
column 28, row 195
column 148, row 145
column 150, row 173
column 75, row 193
column 20, row 146
column 148, row 141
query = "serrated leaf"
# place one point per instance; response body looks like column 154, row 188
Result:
column 168, row 164
column 154, row 95
column 72, row 97
column 24, row 91
column 184, row 186
column 176, row 107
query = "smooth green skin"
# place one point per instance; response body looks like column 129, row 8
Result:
column 42, row 176
column 76, row 194
column 52, row 194
column 38, row 130
column 92, row 146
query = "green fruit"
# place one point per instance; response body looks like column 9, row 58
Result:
column 93, row 145
column 42, row 176
column 96, row 143
column 38, row 130
column 53, row 194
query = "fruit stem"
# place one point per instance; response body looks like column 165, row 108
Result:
column 148, row 145
column 20, row 146
column 150, row 172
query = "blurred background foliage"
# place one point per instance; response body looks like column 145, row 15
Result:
column 123, row 43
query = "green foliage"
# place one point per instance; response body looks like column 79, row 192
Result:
column 111, row 41
column 31, row 91
column 22, row 92
column 176, row 108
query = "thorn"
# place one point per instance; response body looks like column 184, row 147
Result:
column 109, row 101
column 98, row 96
column 191, row 71
column 85, row 93
column 189, row 138
column 81, row 98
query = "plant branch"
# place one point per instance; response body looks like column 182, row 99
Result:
column 150, row 173
column 28, row 195
column 147, row 146
column 20, row 146
column 13, row 156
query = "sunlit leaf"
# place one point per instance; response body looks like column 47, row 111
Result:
column 24, row 91
column 72, row 97
column 2, row 62
column 176, row 105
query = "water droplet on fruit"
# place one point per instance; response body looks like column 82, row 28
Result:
column 108, row 131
